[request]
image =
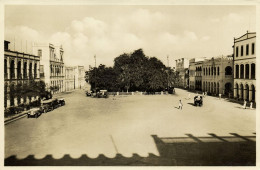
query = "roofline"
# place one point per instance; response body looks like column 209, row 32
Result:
column 245, row 34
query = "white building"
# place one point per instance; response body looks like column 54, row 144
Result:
column 51, row 58
column 245, row 66
column 79, row 77
column 74, row 78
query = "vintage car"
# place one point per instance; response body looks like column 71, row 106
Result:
column 48, row 105
column 61, row 102
column 35, row 112
column 102, row 94
column 198, row 100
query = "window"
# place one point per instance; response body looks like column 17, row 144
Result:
column 242, row 50
column 218, row 71
column 242, row 71
column 247, row 49
column 236, row 51
column 253, row 48
column 252, row 71
column 247, row 71
column 237, row 71
column 40, row 53
column 228, row 70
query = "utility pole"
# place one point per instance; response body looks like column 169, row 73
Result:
column 95, row 74
column 168, row 73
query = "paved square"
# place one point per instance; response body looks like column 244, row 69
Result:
column 122, row 124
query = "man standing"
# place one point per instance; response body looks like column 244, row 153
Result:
column 244, row 106
column 180, row 105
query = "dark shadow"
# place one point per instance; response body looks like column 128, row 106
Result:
column 176, row 107
column 214, row 150
column 191, row 104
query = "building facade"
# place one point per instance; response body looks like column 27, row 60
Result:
column 19, row 69
column 79, row 77
column 245, row 67
column 69, row 78
column 182, row 66
column 217, row 75
column 51, row 59
column 195, row 73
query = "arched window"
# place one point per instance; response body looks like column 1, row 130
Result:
column 228, row 70
column 242, row 71
column 247, row 71
column 5, row 69
column 253, row 71
column 12, row 69
column 35, row 70
column 19, row 75
column 25, row 70
column 237, row 71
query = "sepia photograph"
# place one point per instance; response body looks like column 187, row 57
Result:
column 129, row 84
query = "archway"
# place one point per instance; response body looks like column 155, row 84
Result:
column 241, row 90
column 247, row 92
column 237, row 91
column 217, row 88
column 12, row 70
column 228, row 88
column 253, row 92
column 228, row 70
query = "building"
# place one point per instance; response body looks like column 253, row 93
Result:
column 245, row 66
column 69, row 78
column 182, row 66
column 217, row 75
column 79, row 77
column 51, row 59
column 19, row 69
column 195, row 73
column 74, row 78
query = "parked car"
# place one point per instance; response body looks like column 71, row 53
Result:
column 35, row 112
column 198, row 100
column 47, row 105
column 61, row 102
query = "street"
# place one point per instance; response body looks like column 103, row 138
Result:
column 122, row 124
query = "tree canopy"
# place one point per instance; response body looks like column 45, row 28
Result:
column 132, row 72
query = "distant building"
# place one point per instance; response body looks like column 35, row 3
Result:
column 74, row 78
column 69, row 78
column 245, row 66
column 19, row 69
column 217, row 75
column 79, row 76
column 182, row 66
column 195, row 74
column 51, row 59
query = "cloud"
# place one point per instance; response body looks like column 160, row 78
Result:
column 205, row 38
column 233, row 17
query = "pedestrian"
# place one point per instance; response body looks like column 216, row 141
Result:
column 219, row 96
column 244, row 106
column 206, row 94
column 189, row 96
column 180, row 105
column 251, row 105
column 203, row 94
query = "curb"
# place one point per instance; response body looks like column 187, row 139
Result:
column 15, row 118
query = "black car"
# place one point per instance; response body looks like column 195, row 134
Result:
column 198, row 101
column 61, row 102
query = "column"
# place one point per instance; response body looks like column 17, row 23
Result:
column 33, row 70
column 22, row 71
column 8, row 68
column 244, row 93
column 250, row 93
column 15, row 68
column 235, row 91
column 239, row 91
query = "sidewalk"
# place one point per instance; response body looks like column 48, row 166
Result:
column 15, row 117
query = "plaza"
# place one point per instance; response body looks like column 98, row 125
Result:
column 123, row 125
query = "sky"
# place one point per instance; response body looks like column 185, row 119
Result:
column 110, row 30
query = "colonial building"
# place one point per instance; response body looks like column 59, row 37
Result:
column 19, row 69
column 51, row 58
column 182, row 66
column 69, row 78
column 79, row 76
column 217, row 75
column 74, row 78
column 245, row 66
column 195, row 74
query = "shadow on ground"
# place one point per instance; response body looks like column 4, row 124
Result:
column 213, row 150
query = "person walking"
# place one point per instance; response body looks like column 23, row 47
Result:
column 244, row 106
column 219, row 96
column 180, row 105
